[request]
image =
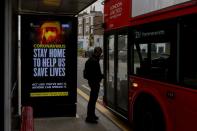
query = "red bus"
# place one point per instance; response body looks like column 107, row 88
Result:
column 150, row 50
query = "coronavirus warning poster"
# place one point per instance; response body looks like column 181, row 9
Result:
column 48, row 64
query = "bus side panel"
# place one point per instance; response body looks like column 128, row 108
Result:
column 167, row 13
column 178, row 103
column 185, row 109
column 117, row 14
column 157, row 92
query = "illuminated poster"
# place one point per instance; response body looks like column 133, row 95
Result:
column 49, row 55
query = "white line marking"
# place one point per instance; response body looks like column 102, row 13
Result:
column 86, row 87
column 77, row 116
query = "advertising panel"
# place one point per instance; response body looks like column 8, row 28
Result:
column 49, row 57
column 47, row 60
column 140, row 7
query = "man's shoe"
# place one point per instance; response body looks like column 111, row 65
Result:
column 91, row 120
column 96, row 117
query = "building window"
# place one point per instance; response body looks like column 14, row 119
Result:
column 87, row 19
column 98, row 40
column 161, row 48
column 92, row 20
column 80, row 30
column 80, row 21
column 87, row 29
column 91, row 30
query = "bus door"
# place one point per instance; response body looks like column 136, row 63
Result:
column 110, row 90
column 117, row 78
column 122, row 76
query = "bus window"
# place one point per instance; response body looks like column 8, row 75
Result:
column 140, row 55
column 152, row 60
column 110, row 70
column 122, row 79
column 189, row 54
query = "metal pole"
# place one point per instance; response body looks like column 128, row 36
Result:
column 8, row 65
column 19, row 64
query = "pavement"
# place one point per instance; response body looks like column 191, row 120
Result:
column 75, row 123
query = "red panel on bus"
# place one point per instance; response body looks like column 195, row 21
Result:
column 117, row 14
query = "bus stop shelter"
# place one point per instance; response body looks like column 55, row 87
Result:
column 68, row 7
column 10, row 9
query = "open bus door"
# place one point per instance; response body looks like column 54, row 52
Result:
column 116, row 91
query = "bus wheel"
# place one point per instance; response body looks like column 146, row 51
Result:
column 148, row 116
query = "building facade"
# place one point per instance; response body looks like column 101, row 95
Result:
column 90, row 31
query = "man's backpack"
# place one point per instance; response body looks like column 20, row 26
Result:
column 85, row 72
column 85, row 75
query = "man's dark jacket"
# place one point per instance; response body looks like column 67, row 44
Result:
column 93, row 70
